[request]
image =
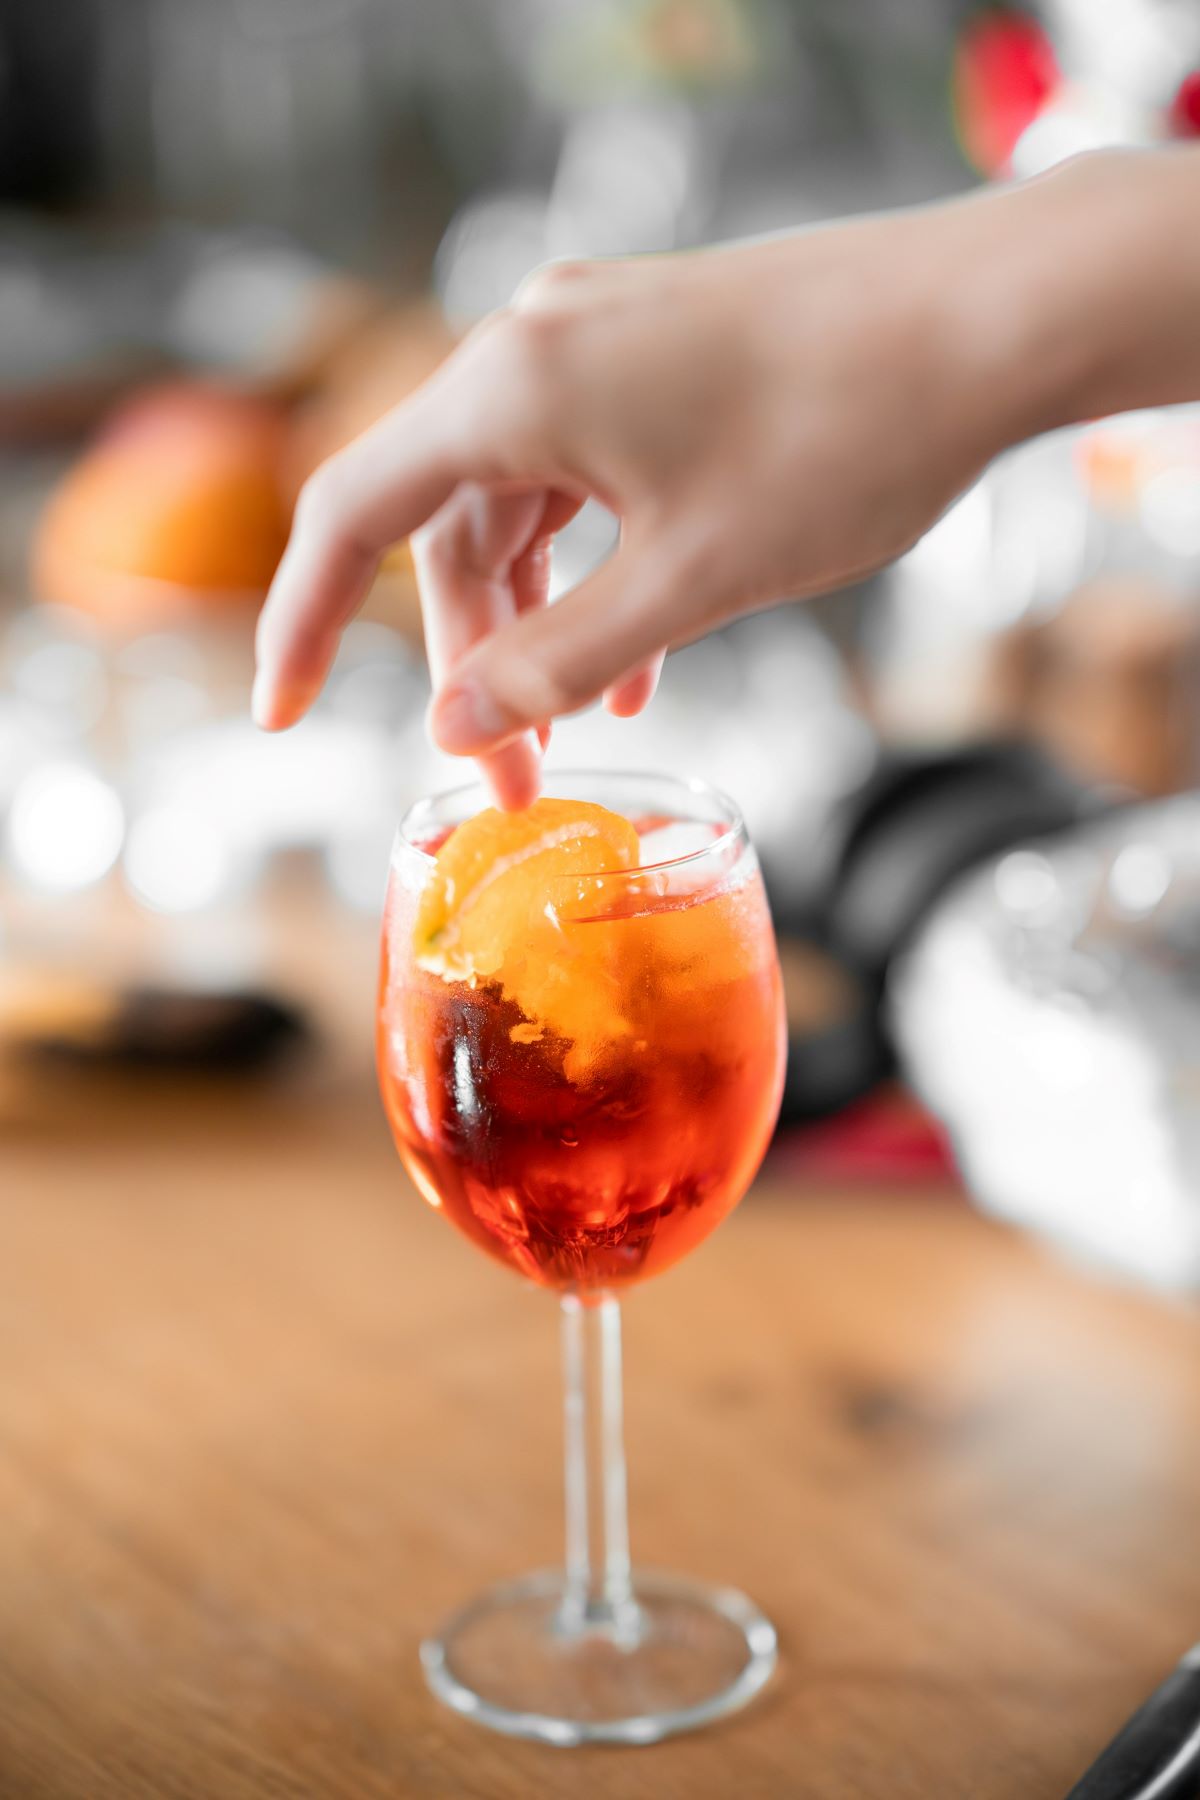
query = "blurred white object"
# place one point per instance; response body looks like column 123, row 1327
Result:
column 1049, row 1013
column 633, row 176
column 65, row 827
column 581, row 546
column 1137, row 49
column 1122, row 62
column 1077, row 119
column 178, row 861
column 626, row 180
column 140, row 754
column 214, row 800
column 163, row 688
column 1011, row 548
column 490, row 245
column 246, row 304
column 1118, row 496
column 53, row 660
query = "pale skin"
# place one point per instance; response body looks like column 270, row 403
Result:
column 767, row 421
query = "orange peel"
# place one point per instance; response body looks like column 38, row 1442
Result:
column 501, row 878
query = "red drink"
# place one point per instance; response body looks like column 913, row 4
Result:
column 590, row 1115
column 581, row 1052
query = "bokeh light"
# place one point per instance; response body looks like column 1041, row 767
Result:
column 65, row 827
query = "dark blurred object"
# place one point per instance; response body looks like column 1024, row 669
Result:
column 75, row 332
column 891, row 851
column 918, row 823
column 1157, row 1754
column 49, row 133
column 80, row 1021
column 836, row 1049
column 360, row 130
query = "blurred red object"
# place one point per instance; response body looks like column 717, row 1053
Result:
column 1005, row 70
column 180, row 505
column 888, row 1137
column 1183, row 119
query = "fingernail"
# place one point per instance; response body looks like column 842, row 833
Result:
column 465, row 719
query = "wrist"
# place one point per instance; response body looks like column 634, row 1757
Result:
column 1077, row 294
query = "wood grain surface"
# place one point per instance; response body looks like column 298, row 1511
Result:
column 264, row 1419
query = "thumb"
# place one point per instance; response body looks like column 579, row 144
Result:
column 544, row 664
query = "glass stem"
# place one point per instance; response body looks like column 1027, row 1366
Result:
column 599, row 1595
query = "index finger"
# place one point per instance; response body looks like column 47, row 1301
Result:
column 356, row 505
column 479, row 415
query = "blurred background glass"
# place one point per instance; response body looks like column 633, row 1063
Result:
column 232, row 234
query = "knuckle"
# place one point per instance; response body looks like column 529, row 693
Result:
column 448, row 543
column 551, row 284
column 532, row 340
column 319, row 501
column 684, row 562
column 528, row 689
column 526, row 382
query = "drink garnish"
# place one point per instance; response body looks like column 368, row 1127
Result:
column 499, row 875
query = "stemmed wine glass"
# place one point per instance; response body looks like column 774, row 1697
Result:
column 585, row 1083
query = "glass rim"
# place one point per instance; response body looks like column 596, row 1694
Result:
column 733, row 823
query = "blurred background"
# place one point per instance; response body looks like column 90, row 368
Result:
column 233, row 234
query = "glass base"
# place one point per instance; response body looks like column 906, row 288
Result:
column 682, row 1654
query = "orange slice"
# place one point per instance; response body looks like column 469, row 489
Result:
column 500, row 877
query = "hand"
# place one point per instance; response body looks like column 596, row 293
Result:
column 749, row 415
column 765, row 421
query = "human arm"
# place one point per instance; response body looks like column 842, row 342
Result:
column 767, row 420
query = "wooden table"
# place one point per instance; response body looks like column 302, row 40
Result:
column 264, row 1419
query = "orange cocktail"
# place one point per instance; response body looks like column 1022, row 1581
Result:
column 591, row 1107
column 581, row 1051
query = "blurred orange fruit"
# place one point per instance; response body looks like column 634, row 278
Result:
column 179, row 505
